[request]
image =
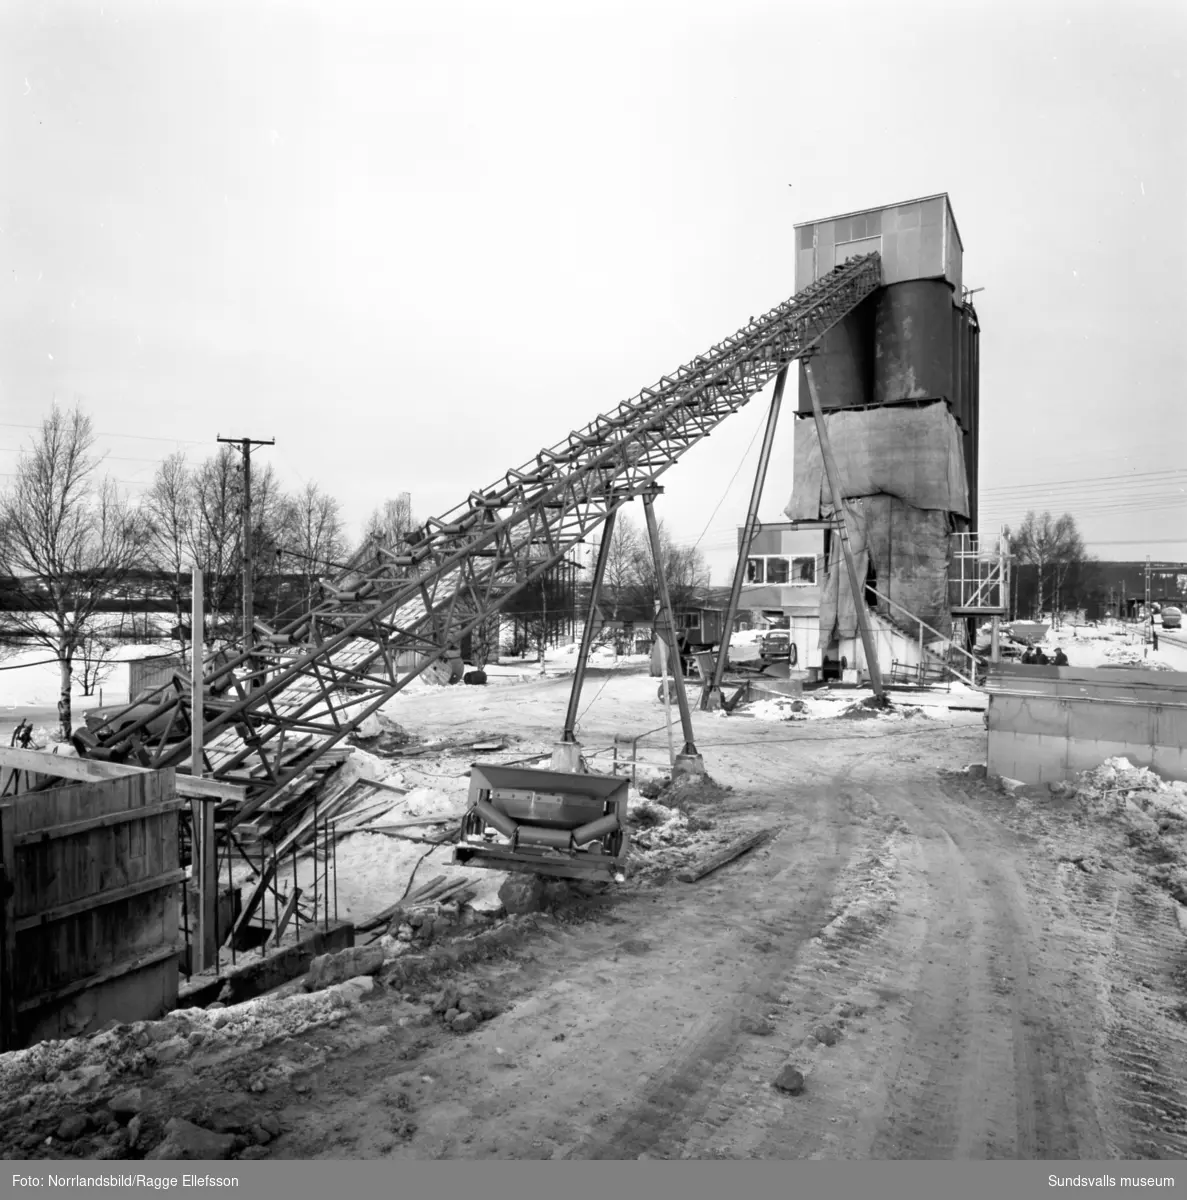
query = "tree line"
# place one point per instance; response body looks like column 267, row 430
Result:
column 70, row 540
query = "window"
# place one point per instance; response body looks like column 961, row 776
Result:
column 799, row 571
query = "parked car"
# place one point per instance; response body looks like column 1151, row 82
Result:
column 1172, row 617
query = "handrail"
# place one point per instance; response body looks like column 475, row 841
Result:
column 951, row 643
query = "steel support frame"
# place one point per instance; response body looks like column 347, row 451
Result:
column 587, row 633
column 711, row 692
column 857, row 586
column 468, row 563
column 669, row 631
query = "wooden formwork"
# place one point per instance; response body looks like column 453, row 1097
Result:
column 89, row 898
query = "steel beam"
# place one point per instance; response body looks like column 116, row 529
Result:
column 463, row 567
column 665, row 600
column 587, row 634
column 858, row 587
column 711, row 692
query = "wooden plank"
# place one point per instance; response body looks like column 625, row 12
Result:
column 721, row 857
column 354, row 821
column 387, row 787
column 7, row 931
column 71, row 828
column 421, row 895
column 287, row 844
column 105, row 976
column 87, row 769
column 412, row 823
column 286, row 915
column 101, row 899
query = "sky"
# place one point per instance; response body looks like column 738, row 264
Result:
column 414, row 243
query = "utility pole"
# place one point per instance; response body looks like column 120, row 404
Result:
column 1149, row 613
column 244, row 445
column 203, row 849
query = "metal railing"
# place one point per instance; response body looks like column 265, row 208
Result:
column 979, row 575
column 973, row 663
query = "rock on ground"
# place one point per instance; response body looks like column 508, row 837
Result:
column 328, row 969
column 789, row 1080
column 522, row 893
column 184, row 1140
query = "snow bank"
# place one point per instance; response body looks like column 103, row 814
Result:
column 1118, row 788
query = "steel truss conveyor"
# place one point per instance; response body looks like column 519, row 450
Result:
column 301, row 689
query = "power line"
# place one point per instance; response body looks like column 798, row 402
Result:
column 105, row 457
column 1092, row 480
column 143, row 437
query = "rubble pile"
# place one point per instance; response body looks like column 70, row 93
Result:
column 664, row 837
column 84, row 1095
column 1118, row 788
column 1153, row 809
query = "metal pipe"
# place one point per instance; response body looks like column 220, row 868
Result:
column 185, row 916
column 263, row 899
column 334, row 852
column 231, row 893
column 500, row 821
column 570, row 734
column 593, row 830
column 555, row 839
column 834, row 485
column 297, row 906
column 661, row 580
column 315, row 869
column 711, row 692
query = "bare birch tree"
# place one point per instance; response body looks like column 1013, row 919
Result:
column 69, row 537
column 314, row 535
column 169, row 513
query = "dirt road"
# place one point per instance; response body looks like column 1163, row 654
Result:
column 909, row 941
column 955, row 970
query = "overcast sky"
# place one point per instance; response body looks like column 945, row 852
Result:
column 415, row 243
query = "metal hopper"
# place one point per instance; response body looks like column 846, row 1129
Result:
column 545, row 822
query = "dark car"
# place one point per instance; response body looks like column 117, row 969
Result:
column 173, row 725
column 775, row 646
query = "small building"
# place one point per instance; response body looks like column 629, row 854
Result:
column 781, row 588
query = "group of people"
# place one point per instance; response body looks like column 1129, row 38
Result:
column 1034, row 656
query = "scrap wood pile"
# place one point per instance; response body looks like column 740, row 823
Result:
column 413, row 910
column 286, row 821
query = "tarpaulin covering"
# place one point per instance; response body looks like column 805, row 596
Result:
column 913, row 453
column 909, row 548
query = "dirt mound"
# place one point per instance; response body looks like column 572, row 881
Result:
column 687, row 792
column 871, row 706
column 1119, row 789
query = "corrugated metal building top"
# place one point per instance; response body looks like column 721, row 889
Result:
column 917, row 239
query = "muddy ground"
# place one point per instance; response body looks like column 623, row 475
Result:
column 956, row 971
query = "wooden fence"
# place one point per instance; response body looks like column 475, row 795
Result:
column 89, row 928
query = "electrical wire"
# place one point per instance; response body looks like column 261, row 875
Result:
column 100, row 433
column 416, row 867
column 741, row 464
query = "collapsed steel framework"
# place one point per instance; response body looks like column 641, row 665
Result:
column 300, row 690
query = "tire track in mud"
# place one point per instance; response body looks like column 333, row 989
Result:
column 679, row 1093
column 848, row 984
column 1143, row 957
column 1007, row 1073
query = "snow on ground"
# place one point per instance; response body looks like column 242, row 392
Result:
column 1117, row 787
column 33, row 679
column 1111, row 644
column 827, row 703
